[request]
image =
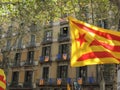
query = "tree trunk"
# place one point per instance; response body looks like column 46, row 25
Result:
column 115, row 77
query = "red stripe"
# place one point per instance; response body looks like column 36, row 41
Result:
column 2, row 79
column 102, row 34
column 1, row 88
column 93, row 55
column 105, row 45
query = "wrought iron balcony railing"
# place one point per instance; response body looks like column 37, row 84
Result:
column 64, row 81
column 19, row 47
column 47, row 40
column 31, row 45
column 28, row 84
column 16, row 63
column 62, row 57
column 63, row 37
column 5, row 49
column 29, row 62
column 45, row 59
column 14, row 84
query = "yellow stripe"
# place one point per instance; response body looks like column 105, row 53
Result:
column 1, row 72
column 75, row 63
column 3, row 85
column 86, row 48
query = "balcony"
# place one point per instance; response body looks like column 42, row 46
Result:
column 25, row 86
column 62, row 82
column 47, row 40
column 14, row 84
column 5, row 49
column 31, row 45
column 19, row 47
column 28, row 84
column 45, row 59
column 62, row 57
column 29, row 63
column 53, row 81
column 63, row 38
column 16, row 63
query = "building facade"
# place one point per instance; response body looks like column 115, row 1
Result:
column 40, row 60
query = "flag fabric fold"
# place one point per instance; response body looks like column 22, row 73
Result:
column 2, row 80
column 93, row 45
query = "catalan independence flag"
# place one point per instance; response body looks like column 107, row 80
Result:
column 2, row 80
column 93, row 45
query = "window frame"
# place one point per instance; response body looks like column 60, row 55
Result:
column 64, row 32
column 48, row 35
column 15, row 77
column 103, row 23
column 32, row 40
column 8, row 44
column 19, row 43
column 45, row 74
column 82, row 73
column 62, row 71
column 30, row 56
column 64, row 48
column 46, row 51
column 17, row 58
column 27, row 79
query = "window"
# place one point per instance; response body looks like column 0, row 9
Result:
column 45, row 73
column 33, row 27
column 48, row 35
column 19, row 42
column 64, row 48
column 64, row 31
column 103, row 23
column 32, row 39
column 107, row 72
column 46, row 51
column 30, row 56
column 17, row 58
column 62, row 71
column 15, row 77
column 8, row 44
column 28, row 76
column 82, row 72
column 9, row 32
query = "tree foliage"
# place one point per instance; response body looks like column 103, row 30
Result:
column 41, row 11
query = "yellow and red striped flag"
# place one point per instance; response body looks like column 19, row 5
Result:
column 2, row 80
column 93, row 45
